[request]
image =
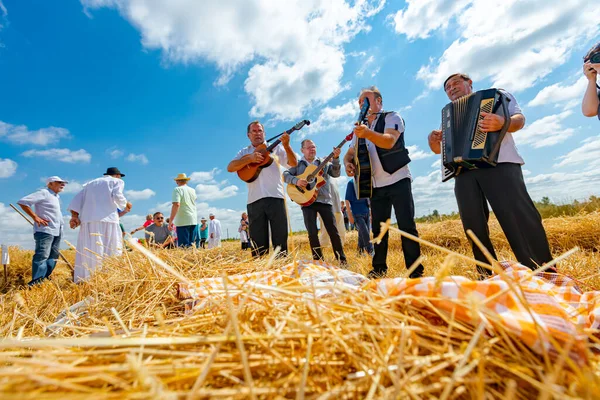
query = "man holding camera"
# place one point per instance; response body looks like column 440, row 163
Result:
column 591, row 68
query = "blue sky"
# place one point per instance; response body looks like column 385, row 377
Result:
column 162, row 89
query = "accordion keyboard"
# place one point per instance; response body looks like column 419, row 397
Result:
column 480, row 137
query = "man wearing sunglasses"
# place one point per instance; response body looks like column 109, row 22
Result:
column 591, row 68
column 158, row 234
column 47, row 228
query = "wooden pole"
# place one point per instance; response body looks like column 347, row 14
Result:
column 31, row 223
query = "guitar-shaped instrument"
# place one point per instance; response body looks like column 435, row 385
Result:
column 251, row 171
column 363, row 183
column 314, row 174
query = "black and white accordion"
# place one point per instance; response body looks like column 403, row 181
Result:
column 464, row 144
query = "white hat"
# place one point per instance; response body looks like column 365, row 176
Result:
column 55, row 179
column 203, row 219
column 211, row 215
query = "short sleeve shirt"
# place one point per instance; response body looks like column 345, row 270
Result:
column 157, row 234
column 187, row 214
column 508, row 149
column 47, row 206
column 358, row 207
column 268, row 183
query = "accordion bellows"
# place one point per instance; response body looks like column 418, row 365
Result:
column 464, row 144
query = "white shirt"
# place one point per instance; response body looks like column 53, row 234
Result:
column 268, row 183
column 99, row 199
column 508, row 149
column 214, row 226
column 380, row 177
column 47, row 206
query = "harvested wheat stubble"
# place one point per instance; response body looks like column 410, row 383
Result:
column 281, row 343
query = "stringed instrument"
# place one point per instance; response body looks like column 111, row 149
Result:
column 363, row 184
column 251, row 171
column 313, row 174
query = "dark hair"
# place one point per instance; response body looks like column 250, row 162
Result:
column 254, row 123
column 464, row 76
column 156, row 213
column 595, row 49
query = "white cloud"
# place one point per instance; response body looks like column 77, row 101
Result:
column 588, row 154
column 420, row 18
column 114, row 153
column 19, row 134
column 141, row 158
column 145, row 194
column 215, row 192
column 295, row 47
column 536, row 37
column 417, row 154
column 564, row 187
column 560, row 93
column 64, row 155
column 546, row 131
column 204, row 176
column 339, row 117
column 366, row 65
column 7, row 168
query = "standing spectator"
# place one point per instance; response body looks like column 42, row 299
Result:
column 591, row 67
column 183, row 211
column 244, row 232
column 158, row 234
column 345, row 214
column 94, row 208
column 324, row 238
column 173, row 231
column 203, row 232
column 359, row 214
column 47, row 228
column 214, row 232
column 149, row 220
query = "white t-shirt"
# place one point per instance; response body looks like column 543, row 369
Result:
column 268, row 183
column 380, row 177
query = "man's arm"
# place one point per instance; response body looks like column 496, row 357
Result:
column 334, row 168
column 385, row 140
column 289, row 175
column 174, row 209
column 29, row 201
column 349, row 212
column 239, row 163
column 292, row 161
column 349, row 162
column 435, row 141
column 590, row 103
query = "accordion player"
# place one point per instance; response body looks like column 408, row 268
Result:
column 464, row 144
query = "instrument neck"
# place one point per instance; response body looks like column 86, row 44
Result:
column 327, row 159
column 276, row 143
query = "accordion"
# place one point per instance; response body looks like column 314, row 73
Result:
column 464, row 144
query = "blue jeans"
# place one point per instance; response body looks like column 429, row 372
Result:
column 185, row 235
column 364, row 236
column 44, row 259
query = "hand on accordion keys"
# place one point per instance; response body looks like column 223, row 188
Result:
column 491, row 122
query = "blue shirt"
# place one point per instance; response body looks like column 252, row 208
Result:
column 46, row 205
column 358, row 207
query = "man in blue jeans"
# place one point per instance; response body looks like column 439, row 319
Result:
column 358, row 214
column 48, row 227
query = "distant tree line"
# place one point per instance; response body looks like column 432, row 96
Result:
column 546, row 208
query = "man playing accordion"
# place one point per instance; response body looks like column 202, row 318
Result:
column 502, row 186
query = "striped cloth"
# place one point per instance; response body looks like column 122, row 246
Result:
column 546, row 311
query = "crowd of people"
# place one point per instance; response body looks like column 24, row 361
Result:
column 96, row 209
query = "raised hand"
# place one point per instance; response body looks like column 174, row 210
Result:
column 491, row 122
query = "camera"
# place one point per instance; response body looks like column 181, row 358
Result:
column 595, row 58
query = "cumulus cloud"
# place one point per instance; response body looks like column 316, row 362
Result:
column 139, row 158
column 546, row 131
column 63, row 155
column 19, row 134
column 536, row 37
column 216, row 191
column 588, row 154
column 416, row 153
column 114, row 153
column 7, row 168
column 145, row 194
column 204, row 176
column 560, row 93
column 299, row 65
column 334, row 118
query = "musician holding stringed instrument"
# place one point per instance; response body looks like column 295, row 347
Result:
column 311, row 179
column 390, row 178
column 469, row 130
column 266, row 207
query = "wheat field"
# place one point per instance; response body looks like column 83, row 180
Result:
column 133, row 339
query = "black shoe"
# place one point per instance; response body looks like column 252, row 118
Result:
column 376, row 274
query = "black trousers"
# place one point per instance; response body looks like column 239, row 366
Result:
column 264, row 214
column 310, row 221
column 504, row 188
column 399, row 195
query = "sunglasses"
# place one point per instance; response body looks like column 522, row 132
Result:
column 159, row 218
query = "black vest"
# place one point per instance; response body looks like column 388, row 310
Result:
column 395, row 158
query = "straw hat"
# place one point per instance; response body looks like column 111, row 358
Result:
column 182, row 177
